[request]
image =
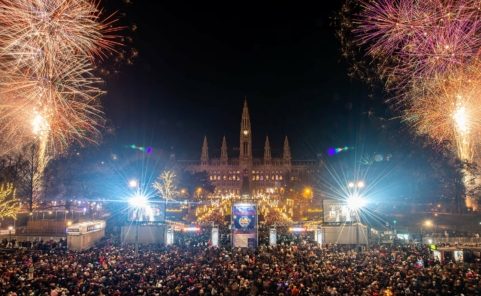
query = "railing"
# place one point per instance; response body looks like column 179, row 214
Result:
column 452, row 240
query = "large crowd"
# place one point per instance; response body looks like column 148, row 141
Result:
column 195, row 268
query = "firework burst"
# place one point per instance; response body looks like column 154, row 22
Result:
column 47, row 52
column 413, row 40
column 447, row 108
column 49, row 95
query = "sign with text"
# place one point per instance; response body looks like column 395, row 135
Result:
column 244, row 225
column 336, row 211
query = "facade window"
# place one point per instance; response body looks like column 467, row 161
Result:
column 280, row 177
column 262, row 178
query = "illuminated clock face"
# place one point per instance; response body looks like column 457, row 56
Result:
column 246, row 132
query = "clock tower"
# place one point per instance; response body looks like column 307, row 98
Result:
column 245, row 157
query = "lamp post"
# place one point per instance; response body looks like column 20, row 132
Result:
column 10, row 228
column 135, row 184
column 426, row 224
column 138, row 202
column 355, row 202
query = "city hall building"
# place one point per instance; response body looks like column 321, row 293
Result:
column 246, row 173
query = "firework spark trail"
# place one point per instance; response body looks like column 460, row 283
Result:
column 427, row 54
column 49, row 95
column 410, row 39
column 447, row 108
column 47, row 49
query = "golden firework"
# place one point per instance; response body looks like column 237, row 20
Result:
column 448, row 109
column 47, row 53
column 49, row 95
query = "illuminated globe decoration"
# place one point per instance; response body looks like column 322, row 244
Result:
column 244, row 221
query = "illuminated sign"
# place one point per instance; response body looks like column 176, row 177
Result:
column 244, row 225
column 73, row 230
column 272, row 237
column 336, row 211
column 215, row 237
column 297, row 229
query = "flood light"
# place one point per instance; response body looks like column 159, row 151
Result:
column 356, row 202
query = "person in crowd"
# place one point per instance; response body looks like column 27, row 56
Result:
column 193, row 267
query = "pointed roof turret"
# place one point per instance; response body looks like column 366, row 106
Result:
column 246, row 122
column 245, row 136
column 204, row 156
column 267, row 151
column 223, row 152
column 286, row 155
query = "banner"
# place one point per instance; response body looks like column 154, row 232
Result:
column 244, row 225
column 169, row 236
column 272, row 237
column 336, row 211
column 215, row 236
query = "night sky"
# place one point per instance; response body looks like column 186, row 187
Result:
column 195, row 65
column 197, row 61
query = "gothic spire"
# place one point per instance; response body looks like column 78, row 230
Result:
column 245, row 136
column 246, row 122
column 223, row 152
column 204, row 157
column 286, row 155
column 267, row 151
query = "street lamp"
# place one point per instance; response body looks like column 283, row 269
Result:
column 133, row 183
column 10, row 229
column 307, row 192
column 428, row 223
column 138, row 202
column 359, row 184
column 356, row 202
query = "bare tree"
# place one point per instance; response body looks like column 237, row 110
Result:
column 9, row 205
